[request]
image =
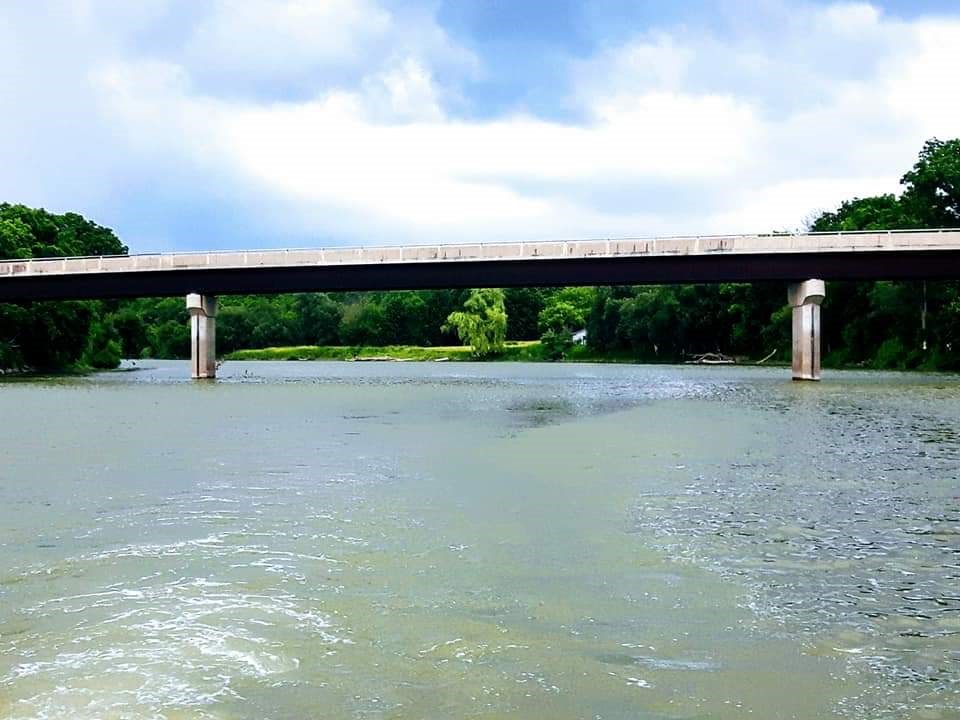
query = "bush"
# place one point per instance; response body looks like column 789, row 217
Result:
column 891, row 355
column 556, row 344
column 104, row 349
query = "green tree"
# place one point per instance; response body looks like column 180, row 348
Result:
column 169, row 339
column 318, row 319
column 164, row 328
column 880, row 323
column 131, row 332
column 403, row 319
column 104, row 347
column 932, row 188
column 49, row 335
column 884, row 212
column 363, row 323
column 482, row 323
column 558, row 321
column 523, row 307
column 439, row 305
column 15, row 239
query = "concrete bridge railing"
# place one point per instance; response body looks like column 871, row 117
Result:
column 846, row 242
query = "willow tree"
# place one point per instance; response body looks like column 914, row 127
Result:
column 482, row 324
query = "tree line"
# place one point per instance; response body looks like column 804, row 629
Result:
column 881, row 324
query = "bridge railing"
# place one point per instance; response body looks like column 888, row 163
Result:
column 490, row 250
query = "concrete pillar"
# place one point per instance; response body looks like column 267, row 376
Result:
column 805, row 298
column 203, row 335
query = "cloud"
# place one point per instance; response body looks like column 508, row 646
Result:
column 295, row 49
column 262, row 39
column 300, row 122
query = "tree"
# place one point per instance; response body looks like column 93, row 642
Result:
column 49, row 335
column 523, row 306
column 362, row 324
column 169, row 339
column 558, row 320
column 104, row 349
column 403, row 319
column 932, row 188
column 318, row 319
column 603, row 320
column 482, row 323
column 883, row 212
column 880, row 323
column 15, row 239
column 131, row 331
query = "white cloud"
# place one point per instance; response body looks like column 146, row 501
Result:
column 753, row 131
column 403, row 93
column 841, row 97
column 849, row 18
column 921, row 88
column 248, row 43
column 296, row 48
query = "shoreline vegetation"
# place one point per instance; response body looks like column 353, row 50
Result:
column 514, row 351
column 881, row 324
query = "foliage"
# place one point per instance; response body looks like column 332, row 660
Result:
column 932, row 188
column 49, row 335
column 512, row 350
column 880, row 323
column 104, row 348
column 564, row 312
column 318, row 318
column 9, row 355
column 557, row 323
column 523, row 307
column 482, row 323
column 883, row 212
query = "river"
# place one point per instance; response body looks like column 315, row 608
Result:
column 447, row 540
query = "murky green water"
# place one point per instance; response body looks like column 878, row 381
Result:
column 451, row 541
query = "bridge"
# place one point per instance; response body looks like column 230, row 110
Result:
column 803, row 261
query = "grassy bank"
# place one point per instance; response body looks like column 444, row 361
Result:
column 516, row 351
column 521, row 350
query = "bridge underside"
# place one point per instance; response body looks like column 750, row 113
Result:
column 804, row 297
column 205, row 280
column 783, row 267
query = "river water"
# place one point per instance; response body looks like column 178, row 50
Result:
column 406, row 540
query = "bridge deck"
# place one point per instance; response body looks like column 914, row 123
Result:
column 860, row 255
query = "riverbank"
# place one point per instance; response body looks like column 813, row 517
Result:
column 527, row 351
column 71, row 371
column 515, row 351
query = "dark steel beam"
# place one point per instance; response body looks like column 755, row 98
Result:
column 783, row 267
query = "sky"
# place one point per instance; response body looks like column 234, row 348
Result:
column 207, row 124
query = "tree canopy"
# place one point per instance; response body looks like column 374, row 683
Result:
column 54, row 335
column 482, row 323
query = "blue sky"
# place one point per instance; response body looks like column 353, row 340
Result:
column 259, row 123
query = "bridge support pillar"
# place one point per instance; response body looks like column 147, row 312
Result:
column 805, row 298
column 203, row 335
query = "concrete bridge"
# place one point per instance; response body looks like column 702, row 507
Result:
column 802, row 261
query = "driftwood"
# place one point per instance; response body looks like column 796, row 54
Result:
column 711, row 359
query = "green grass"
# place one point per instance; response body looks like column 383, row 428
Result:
column 519, row 350
column 515, row 351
